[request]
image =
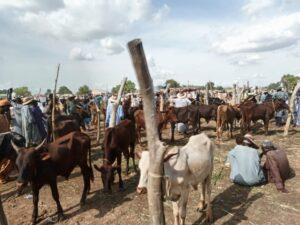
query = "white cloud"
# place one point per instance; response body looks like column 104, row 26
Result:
column 245, row 60
column 255, row 6
column 33, row 5
column 281, row 32
column 78, row 54
column 161, row 13
column 88, row 20
column 111, row 47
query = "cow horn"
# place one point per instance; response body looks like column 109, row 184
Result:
column 40, row 145
column 17, row 148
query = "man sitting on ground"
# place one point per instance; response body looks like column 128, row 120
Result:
column 277, row 166
column 245, row 163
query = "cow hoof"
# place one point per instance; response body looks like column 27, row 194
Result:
column 60, row 217
column 82, row 203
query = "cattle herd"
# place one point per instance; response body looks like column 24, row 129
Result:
column 187, row 166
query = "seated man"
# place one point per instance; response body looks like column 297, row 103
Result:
column 277, row 166
column 245, row 163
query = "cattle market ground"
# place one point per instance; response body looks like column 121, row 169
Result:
column 232, row 204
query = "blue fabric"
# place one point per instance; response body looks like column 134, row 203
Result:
column 38, row 121
column 245, row 166
column 297, row 111
column 281, row 95
column 119, row 114
column 17, row 119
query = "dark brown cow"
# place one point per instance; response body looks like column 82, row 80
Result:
column 226, row 115
column 208, row 112
column 187, row 115
column 117, row 140
column 265, row 112
column 41, row 165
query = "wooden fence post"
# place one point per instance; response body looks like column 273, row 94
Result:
column 54, row 102
column 156, row 148
column 292, row 103
column 112, row 120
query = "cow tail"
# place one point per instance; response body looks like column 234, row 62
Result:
column 90, row 162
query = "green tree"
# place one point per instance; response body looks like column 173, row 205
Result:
column 274, row 86
column 210, row 85
column 173, row 83
column 220, row 88
column 289, row 81
column 84, row 90
column 22, row 91
column 64, row 90
column 48, row 92
column 128, row 88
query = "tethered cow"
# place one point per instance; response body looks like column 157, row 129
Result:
column 42, row 164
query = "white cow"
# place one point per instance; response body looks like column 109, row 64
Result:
column 187, row 167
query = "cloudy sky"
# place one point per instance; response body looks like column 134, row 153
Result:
column 191, row 41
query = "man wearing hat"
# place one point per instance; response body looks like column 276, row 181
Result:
column 277, row 166
column 119, row 114
column 30, row 129
column 280, row 116
column 245, row 162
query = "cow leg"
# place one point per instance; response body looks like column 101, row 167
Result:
column 119, row 170
column 266, row 125
column 55, row 196
column 132, row 155
column 172, row 131
column 202, row 205
column 35, row 199
column 85, row 170
column 209, row 216
column 175, row 213
column 182, row 205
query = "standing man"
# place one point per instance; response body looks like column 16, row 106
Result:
column 279, row 116
column 119, row 114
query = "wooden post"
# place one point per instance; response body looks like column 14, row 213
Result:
column 54, row 102
column 156, row 148
column 112, row 120
column 3, row 220
column 292, row 103
column 206, row 94
column 234, row 95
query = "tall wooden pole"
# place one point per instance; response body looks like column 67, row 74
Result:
column 234, row 95
column 292, row 103
column 3, row 220
column 156, row 148
column 112, row 119
column 54, row 102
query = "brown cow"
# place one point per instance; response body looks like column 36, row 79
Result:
column 41, row 165
column 226, row 115
column 161, row 118
column 265, row 112
column 117, row 140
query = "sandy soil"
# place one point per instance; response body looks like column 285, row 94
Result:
column 232, row 204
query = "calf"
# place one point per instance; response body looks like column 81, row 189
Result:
column 184, row 167
column 117, row 140
column 41, row 165
column 226, row 115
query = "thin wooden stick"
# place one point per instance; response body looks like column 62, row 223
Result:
column 112, row 120
column 53, row 103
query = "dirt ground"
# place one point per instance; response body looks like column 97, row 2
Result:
column 232, row 204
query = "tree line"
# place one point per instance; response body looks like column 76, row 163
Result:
column 287, row 81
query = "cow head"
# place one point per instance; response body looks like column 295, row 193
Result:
column 280, row 105
column 107, row 175
column 27, row 161
column 170, row 115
